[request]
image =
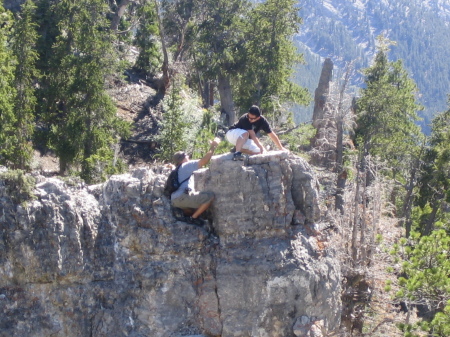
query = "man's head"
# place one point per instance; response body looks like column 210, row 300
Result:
column 253, row 114
column 179, row 157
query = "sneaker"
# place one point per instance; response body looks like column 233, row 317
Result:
column 233, row 149
column 238, row 156
column 195, row 221
column 178, row 213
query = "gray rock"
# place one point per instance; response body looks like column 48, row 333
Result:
column 111, row 260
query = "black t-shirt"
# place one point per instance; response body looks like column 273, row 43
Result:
column 244, row 124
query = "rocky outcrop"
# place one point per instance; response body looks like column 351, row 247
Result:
column 111, row 260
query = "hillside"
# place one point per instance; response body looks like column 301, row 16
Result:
column 346, row 30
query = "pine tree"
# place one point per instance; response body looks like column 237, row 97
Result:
column 84, row 125
column 173, row 129
column 47, row 28
column 387, row 111
column 270, row 57
column 386, row 116
column 7, row 91
column 218, row 45
column 435, row 176
column 425, row 280
column 24, row 42
column 149, row 58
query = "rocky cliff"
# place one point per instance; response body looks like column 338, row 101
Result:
column 111, row 260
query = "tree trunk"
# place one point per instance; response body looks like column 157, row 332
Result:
column 432, row 218
column 226, row 99
column 362, row 238
column 340, row 187
column 121, row 7
column 321, row 93
column 205, row 94
column 211, row 93
column 164, row 82
column 356, row 221
column 407, row 206
column 342, row 174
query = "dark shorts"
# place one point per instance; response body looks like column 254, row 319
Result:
column 193, row 199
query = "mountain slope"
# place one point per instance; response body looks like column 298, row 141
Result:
column 346, row 30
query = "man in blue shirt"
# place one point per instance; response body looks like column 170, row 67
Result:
column 243, row 134
column 185, row 197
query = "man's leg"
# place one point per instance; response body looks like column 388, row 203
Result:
column 202, row 208
column 200, row 201
column 250, row 147
column 241, row 141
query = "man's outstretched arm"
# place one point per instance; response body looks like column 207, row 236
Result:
column 276, row 140
column 207, row 157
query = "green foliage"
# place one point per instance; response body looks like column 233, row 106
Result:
column 172, row 137
column 295, row 139
column 387, row 112
column 386, row 116
column 82, row 117
column 270, row 57
column 47, row 27
column 219, row 38
column 440, row 325
column 426, row 266
column 149, row 58
column 434, row 192
column 7, row 90
column 19, row 185
column 206, row 133
column 23, row 46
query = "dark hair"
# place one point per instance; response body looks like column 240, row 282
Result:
column 255, row 110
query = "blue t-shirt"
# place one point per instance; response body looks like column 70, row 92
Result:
column 185, row 170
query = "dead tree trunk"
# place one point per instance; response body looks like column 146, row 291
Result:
column 321, row 93
column 341, row 173
column 323, row 143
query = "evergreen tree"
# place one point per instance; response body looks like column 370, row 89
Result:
column 426, row 267
column 24, row 42
column 386, row 116
column 218, row 45
column 173, row 129
column 435, row 178
column 149, row 58
column 387, row 110
column 83, row 118
column 7, row 91
column 386, row 130
column 47, row 28
column 270, row 57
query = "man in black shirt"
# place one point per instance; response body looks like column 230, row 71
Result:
column 243, row 134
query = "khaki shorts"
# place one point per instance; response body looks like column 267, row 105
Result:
column 193, row 199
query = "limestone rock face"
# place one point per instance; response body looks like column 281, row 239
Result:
column 111, row 260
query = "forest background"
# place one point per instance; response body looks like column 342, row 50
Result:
column 207, row 62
